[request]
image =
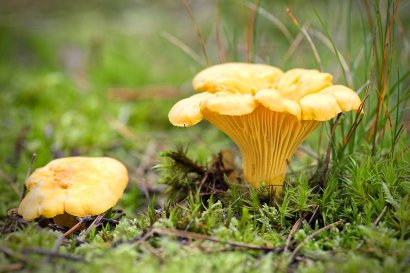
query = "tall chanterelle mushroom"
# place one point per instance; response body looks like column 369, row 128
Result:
column 266, row 112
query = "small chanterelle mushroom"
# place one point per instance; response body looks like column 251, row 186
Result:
column 73, row 187
column 266, row 112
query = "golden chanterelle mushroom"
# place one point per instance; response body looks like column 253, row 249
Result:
column 77, row 186
column 265, row 111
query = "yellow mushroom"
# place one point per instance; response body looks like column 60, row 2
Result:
column 73, row 187
column 266, row 112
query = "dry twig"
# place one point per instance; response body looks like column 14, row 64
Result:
column 251, row 26
column 96, row 221
column 74, row 228
column 295, row 227
column 376, row 222
column 311, row 236
column 197, row 31
column 197, row 236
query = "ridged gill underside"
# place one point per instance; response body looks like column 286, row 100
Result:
column 267, row 141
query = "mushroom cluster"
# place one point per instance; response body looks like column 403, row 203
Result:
column 265, row 111
column 72, row 187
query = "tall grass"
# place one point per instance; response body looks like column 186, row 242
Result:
column 374, row 68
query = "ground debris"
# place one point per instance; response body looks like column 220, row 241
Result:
column 14, row 222
column 184, row 175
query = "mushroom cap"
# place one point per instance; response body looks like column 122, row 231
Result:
column 79, row 186
column 240, row 78
column 237, row 89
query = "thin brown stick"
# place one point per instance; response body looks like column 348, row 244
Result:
column 387, row 43
column 313, row 214
column 295, row 227
column 373, row 65
column 221, row 52
column 251, row 29
column 369, row 13
column 325, row 167
column 96, row 221
column 357, row 121
column 311, row 236
column 385, row 72
column 197, row 31
column 73, row 228
column 197, row 236
column 378, row 219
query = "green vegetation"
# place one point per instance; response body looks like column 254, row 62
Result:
column 98, row 78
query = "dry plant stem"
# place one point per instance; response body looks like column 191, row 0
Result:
column 385, row 73
column 74, row 228
column 296, row 250
column 267, row 140
column 376, row 222
column 325, row 168
column 357, row 121
column 295, row 227
column 197, row 31
column 221, row 53
column 313, row 215
column 96, row 221
column 251, row 25
column 197, row 236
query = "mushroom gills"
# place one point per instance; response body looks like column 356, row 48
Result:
column 267, row 141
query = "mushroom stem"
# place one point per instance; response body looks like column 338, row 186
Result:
column 267, row 140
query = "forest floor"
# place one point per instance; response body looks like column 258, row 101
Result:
column 98, row 79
